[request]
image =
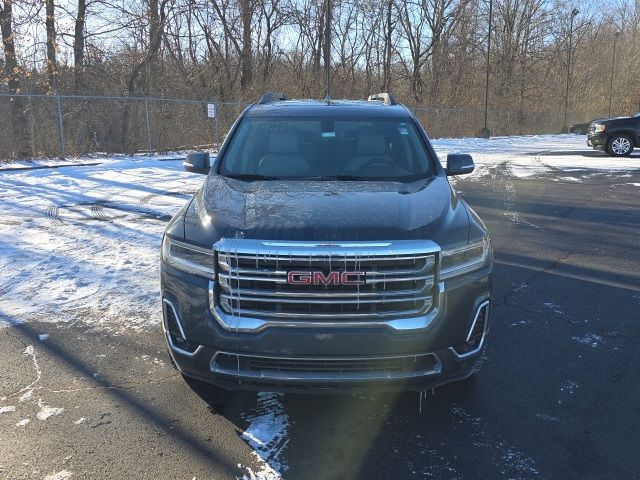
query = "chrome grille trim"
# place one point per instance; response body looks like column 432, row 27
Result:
column 319, row 301
column 246, row 324
column 330, row 295
column 252, row 292
column 232, row 276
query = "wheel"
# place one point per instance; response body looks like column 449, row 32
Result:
column 619, row 146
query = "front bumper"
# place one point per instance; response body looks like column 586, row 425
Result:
column 597, row 141
column 327, row 358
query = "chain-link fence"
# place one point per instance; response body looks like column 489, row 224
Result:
column 34, row 126
column 469, row 122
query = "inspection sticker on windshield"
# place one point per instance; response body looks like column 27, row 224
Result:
column 403, row 131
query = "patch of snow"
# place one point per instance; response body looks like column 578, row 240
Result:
column 7, row 409
column 267, row 435
column 511, row 462
column 568, row 386
column 518, row 286
column 22, row 422
column 46, row 411
column 43, row 336
column 80, row 420
column 571, row 179
column 62, row 475
column 26, row 396
column 527, row 156
column 91, row 234
column 516, row 461
column 553, row 307
column 548, row 418
column 590, row 339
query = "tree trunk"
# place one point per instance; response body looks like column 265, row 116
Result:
column 386, row 87
column 52, row 66
column 246, row 12
column 78, row 46
column 12, row 73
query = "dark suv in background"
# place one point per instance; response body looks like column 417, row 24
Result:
column 617, row 136
column 326, row 251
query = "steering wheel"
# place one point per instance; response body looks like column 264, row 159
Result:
column 378, row 161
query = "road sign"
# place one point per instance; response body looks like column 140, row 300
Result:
column 211, row 110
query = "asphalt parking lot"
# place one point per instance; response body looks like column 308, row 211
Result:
column 557, row 395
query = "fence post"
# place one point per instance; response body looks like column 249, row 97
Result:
column 148, row 124
column 32, row 133
column 60, row 126
column 216, row 124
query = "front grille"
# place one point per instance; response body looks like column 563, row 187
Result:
column 254, row 283
column 277, row 367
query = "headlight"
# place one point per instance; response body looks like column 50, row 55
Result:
column 599, row 128
column 456, row 261
column 188, row 258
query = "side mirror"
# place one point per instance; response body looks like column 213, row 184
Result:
column 197, row 162
column 459, row 164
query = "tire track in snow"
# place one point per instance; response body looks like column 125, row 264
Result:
column 97, row 211
column 510, row 199
column 147, row 198
column 53, row 214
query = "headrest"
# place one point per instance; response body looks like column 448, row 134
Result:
column 278, row 165
column 283, row 143
column 371, row 144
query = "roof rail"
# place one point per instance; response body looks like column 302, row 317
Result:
column 270, row 97
column 384, row 97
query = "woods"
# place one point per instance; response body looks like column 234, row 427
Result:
column 427, row 52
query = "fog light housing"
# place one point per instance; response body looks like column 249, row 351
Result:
column 475, row 337
column 175, row 333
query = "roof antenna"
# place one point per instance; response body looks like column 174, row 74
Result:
column 327, row 50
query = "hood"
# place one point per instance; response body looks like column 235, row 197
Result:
column 612, row 119
column 326, row 211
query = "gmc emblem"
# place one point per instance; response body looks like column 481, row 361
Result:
column 319, row 278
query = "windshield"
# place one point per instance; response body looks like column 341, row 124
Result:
column 318, row 147
column 637, row 114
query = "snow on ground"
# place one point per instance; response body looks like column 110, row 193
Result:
column 533, row 155
column 81, row 242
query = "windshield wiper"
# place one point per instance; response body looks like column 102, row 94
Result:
column 250, row 176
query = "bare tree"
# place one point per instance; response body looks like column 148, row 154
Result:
column 79, row 44
column 52, row 65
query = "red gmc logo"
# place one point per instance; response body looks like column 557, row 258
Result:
column 319, row 278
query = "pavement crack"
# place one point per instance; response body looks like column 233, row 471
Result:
column 31, row 351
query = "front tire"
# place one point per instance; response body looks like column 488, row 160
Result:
column 619, row 146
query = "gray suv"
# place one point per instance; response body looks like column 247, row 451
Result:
column 326, row 251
